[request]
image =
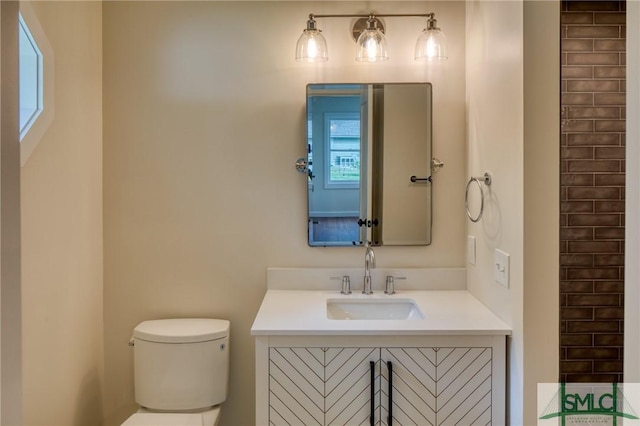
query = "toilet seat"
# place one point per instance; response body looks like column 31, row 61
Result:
column 163, row 419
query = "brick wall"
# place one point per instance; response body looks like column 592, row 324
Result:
column 592, row 191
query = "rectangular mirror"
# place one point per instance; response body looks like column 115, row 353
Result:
column 364, row 144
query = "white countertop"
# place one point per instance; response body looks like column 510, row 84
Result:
column 446, row 312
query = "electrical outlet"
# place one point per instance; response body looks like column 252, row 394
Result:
column 471, row 250
column 501, row 268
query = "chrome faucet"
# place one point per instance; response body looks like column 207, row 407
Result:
column 369, row 262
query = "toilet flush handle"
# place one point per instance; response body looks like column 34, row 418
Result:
column 132, row 342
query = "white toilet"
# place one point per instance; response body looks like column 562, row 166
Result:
column 181, row 371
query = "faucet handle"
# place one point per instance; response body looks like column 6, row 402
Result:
column 346, row 285
column 390, row 287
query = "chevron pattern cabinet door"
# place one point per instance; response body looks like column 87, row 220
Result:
column 322, row 386
column 414, row 386
column 348, row 385
column 463, row 386
column 296, row 386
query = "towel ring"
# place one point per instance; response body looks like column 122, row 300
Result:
column 486, row 179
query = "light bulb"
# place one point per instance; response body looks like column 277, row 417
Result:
column 372, row 44
column 311, row 46
column 431, row 44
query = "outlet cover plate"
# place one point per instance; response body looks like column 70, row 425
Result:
column 501, row 268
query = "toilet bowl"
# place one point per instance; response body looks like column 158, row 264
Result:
column 181, row 371
column 146, row 418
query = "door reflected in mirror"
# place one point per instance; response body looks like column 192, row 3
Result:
column 364, row 142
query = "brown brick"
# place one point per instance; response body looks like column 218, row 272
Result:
column 617, row 45
column 609, row 233
column 593, row 86
column 610, row 179
column 576, row 366
column 593, row 112
column 577, row 99
column 609, row 259
column 576, row 72
column 593, row 138
column 606, row 367
column 610, row 152
column 609, row 72
column 567, row 287
column 575, row 233
column 610, row 125
column 593, row 247
column 592, row 274
column 609, row 206
column 593, row 220
column 610, row 99
column 609, row 313
column 581, row 152
column 605, row 31
column 608, row 339
column 580, row 126
column 576, row 313
column 577, row 44
column 592, row 6
column 577, row 166
column 576, row 339
column 592, row 378
column 593, row 193
column 577, row 18
column 600, row 299
column 610, row 18
column 592, row 353
column 609, row 287
column 576, row 179
column 593, row 58
column 592, row 327
column 577, row 207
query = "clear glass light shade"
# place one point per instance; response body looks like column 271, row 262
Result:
column 311, row 47
column 371, row 46
column 431, row 45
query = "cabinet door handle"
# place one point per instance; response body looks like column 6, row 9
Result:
column 390, row 368
column 372, row 366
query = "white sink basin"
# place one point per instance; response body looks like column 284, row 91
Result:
column 373, row 309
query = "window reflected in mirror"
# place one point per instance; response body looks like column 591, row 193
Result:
column 364, row 142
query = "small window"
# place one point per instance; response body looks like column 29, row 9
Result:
column 343, row 150
column 36, row 81
column 31, row 79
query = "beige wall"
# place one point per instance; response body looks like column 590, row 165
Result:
column 62, row 230
column 10, row 291
column 200, row 138
column 495, row 144
column 541, row 289
column 512, row 101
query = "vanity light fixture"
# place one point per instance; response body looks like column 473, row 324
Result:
column 371, row 44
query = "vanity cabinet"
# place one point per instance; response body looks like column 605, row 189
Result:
column 399, row 380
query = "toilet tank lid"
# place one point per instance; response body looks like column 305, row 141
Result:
column 182, row 330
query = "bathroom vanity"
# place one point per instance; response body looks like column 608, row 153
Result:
column 419, row 356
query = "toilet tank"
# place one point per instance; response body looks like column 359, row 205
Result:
column 181, row 364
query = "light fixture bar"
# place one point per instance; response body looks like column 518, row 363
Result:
column 368, row 32
column 377, row 15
